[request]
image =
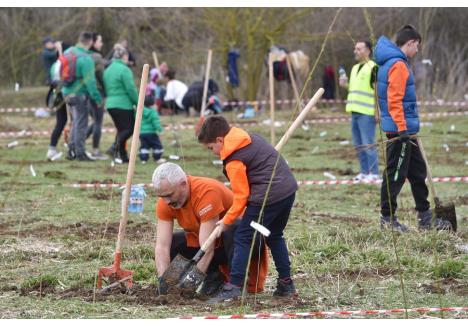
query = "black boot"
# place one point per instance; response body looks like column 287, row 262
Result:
column 285, row 288
column 212, row 283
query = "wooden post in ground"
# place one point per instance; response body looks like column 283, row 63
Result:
column 272, row 99
column 155, row 58
column 205, row 86
column 292, row 76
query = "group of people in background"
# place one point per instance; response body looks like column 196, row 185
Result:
column 107, row 83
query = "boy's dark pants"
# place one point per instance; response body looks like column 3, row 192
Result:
column 149, row 141
column 275, row 218
column 412, row 167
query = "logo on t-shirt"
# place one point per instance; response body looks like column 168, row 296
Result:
column 205, row 210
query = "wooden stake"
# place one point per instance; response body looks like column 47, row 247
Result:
column 292, row 76
column 205, row 86
column 272, row 99
column 133, row 153
column 155, row 58
column 313, row 101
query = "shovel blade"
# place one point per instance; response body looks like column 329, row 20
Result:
column 176, row 270
column 447, row 212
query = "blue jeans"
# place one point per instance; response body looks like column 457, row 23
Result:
column 275, row 218
column 363, row 128
column 97, row 113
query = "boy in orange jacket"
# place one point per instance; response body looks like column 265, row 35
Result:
column 249, row 163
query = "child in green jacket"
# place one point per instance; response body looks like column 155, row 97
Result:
column 150, row 127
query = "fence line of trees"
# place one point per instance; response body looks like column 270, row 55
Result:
column 181, row 37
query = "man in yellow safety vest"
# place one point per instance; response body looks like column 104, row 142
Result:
column 361, row 105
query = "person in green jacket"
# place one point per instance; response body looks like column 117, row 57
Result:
column 77, row 94
column 149, row 138
column 121, row 99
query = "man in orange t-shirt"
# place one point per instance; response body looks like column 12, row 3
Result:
column 196, row 203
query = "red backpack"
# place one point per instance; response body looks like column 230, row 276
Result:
column 68, row 67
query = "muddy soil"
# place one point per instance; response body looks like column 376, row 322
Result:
column 83, row 230
column 55, row 174
column 147, row 296
column 447, row 285
column 41, row 288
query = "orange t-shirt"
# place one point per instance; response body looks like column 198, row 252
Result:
column 208, row 199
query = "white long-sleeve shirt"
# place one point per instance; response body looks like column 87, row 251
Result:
column 175, row 91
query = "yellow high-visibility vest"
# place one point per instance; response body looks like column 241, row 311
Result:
column 360, row 92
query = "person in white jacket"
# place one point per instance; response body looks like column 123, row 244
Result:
column 175, row 91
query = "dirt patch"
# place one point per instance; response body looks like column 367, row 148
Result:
column 147, row 296
column 4, row 174
column 40, row 288
column 55, row 174
column 349, row 219
column 101, row 195
column 447, row 285
column 85, row 231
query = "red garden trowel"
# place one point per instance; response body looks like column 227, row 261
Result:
column 114, row 273
column 182, row 275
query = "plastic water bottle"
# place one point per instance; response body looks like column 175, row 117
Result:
column 342, row 72
column 137, row 199
column 343, row 79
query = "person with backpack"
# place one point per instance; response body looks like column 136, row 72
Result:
column 122, row 97
column 97, row 112
column 79, row 86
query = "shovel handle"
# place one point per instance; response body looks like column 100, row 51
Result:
column 205, row 246
column 205, row 84
column 313, row 101
column 133, row 153
column 429, row 172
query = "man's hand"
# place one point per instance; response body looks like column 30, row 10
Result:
column 222, row 227
column 404, row 136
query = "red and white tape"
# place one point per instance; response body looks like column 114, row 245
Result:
column 305, row 183
column 24, row 133
column 438, row 103
column 287, row 315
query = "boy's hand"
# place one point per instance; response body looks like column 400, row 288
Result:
column 222, row 227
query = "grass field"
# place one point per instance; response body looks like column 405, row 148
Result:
column 53, row 238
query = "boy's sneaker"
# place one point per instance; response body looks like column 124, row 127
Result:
column 53, row 155
column 371, row 178
column 97, row 155
column 285, row 288
column 397, row 226
column 161, row 161
column 359, row 177
column 229, row 292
